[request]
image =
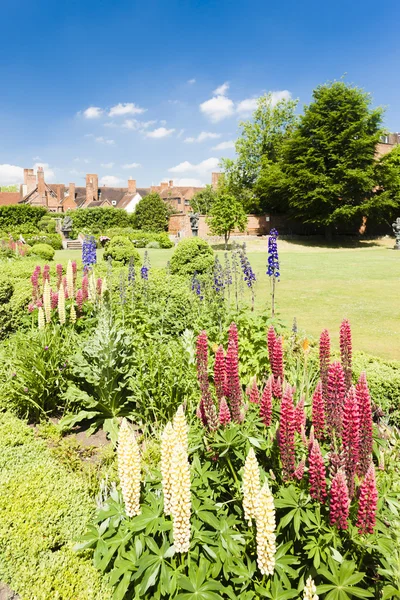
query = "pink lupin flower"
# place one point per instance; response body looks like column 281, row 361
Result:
column 39, row 303
column 346, row 351
column 299, row 415
column 254, row 396
column 85, row 287
column 79, row 300
column 46, row 273
column 59, row 271
column 271, row 339
column 65, row 286
column 202, row 360
column 318, row 412
column 266, row 403
column 316, row 473
column 277, row 388
column 335, row 399
column 200, row 413
column 99, row 285
column 350, row 437
column 74, row 272
column 311, row 439
column 234, row 390
column 339, row 505
column 277, row 364
column 286, row 434
column 219, row 373
column 54, row 300
column 233, row 334
column 367, row 506
column 365, row 424
column 224, row 414
column 299, row 471
column 324, row 361
column 31, row 307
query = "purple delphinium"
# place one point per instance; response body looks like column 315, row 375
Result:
column 218, row 276
column 248, row 273
column 273, row 264
column 89, row 252
column 144, row 271
column 196, row 286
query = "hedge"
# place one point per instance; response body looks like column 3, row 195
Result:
column 44, row 508
column 96, row 220
column 20, row 214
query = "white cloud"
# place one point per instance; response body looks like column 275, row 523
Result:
column 100, row 139
column 82, row 160
column 111, row 181
column 217, row 108
column 280, row 95
column 189, row 182
column 224, row 146
column 191, row 81
column 131, row 166
column 127, row 108
column 206, row 166
column 222, row 89
column 49, row 175
column 107, row 165
column 246, row 107
column 160, row 132
column 11, row 174
column 36, row 158
column 163, row 122
column 93, row 112
column 204, row 135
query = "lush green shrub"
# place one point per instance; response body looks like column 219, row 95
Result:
column 52, row 239
column 47, row 224
column 141, row 238
column 44, row 251
column 153, row 245
column 97, row 220
column 121, row 249
column 12, row 217
column 6, row 289
column 192, row 255
column 151, row 214
column 44, row 507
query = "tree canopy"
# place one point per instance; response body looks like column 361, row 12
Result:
column 151, row 213
column 226, row 214
column 202, row 201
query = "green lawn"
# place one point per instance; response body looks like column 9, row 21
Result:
column 320, row 286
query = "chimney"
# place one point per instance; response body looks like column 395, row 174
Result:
column 171, row 183
column 40, row 184
column 71, row 191
column 59, row 194
column 29, row 181
column 89, row 190
column 95, row 180
column 214, row 180
column 131, row 186
column 163, row 185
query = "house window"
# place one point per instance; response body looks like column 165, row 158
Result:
column 114, row 202
column 384, row 139
column 179, row 200
column 187, row 203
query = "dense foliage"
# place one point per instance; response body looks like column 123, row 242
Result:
column 192, row 255
column 20, row 214
column 44, row 251
column 151, row 214
column 121, row 249
column 226, row 214
column 97, row 220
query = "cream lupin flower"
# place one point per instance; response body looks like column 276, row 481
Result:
column 41, row 321
column 251, row 486
column 92, row 286
column 310, row 591
column 180, row 499
column 61, row 305
column 70, row 280
column 265, row 537
column 129, row 468
column 72, row 314
column 47, row 301
column 167, row 448
column 181, row 428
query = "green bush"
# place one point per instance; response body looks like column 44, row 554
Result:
column 141, row 238
column 44, row 507
column 12, row 217
column 97, row 220
column 192, row 255
column 121, row 249
column 6, row 289
column 151, row 214
column 153, row 245
column 44, row 251
column 52, row 239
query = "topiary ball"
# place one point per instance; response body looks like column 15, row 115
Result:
column 192, row 255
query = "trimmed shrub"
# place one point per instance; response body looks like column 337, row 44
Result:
column 6, row 289
column 192, row 255
column 44, row 251
column 151, row 214
column 12, row 217
column 52, row 239
column 153, row 245
column 97, row 220
column 121, row 249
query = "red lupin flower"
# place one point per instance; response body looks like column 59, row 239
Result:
column 202, row 360
column 234, row 390
column 233, row 334
column 254, row 396
column 299, row 472
column 278, row 359
column 271, row 339
column 366, row 517
column 335, row 399
column 299, row 415
column 277, row 388
column 59, row 271
column 65, row 286
column 85, row 287
column 99, row 285
column 286, row 434
column 316, row 473
column 224, row 414
column 339, row 501
column 200, row 413
column 219, row 373
column 266, row 403
column 54, row 300
column 350, row 437
column 46, row 273
column 324, row 360
column 318, row 412
column 346, row 351
column 365, row 424
column 79, row 300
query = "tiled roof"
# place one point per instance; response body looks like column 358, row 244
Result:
column 9, row 198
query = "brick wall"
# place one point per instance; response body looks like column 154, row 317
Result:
column 256, row 225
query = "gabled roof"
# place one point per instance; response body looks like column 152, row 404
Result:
column 9, row 198
column 186, row 193
column 111, row 194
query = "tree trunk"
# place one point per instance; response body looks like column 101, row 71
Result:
column 226, row 239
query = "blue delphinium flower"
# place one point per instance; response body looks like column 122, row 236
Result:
column 144, row 271
column 273, row 258
column 248, row 273
column 218, row 276
column 196, row 286
column 89, row 252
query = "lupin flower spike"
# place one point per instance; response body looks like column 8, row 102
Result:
column 129, row 468
column 339, row 501
column 70, row 280
column 168, row 439
column 72, row 314
column 266, row 403
column 180, row 500
column 224, row 412
column 180, row 427
column 265, row 537
column 251, row 486
column 310, row 590
column 366, row 517
column 41, row 319
column 61, row 305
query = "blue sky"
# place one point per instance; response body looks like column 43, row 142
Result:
column 155, row 90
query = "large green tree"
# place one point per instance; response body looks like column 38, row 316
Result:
column 258, row 148
column 329, row 159
column 226, row 214
column 385, row 203
column 151, row 213
column 203, row 200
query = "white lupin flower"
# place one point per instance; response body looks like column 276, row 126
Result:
column 168, row 440
column 61, row 305
column 265, row 522
column 47, row 301
column 129, row 468
column 251, row 486
column 72, row 314
column 41, row 321
column 70, row 280
column 180, row 427
column 310, row 590
column 180, row 500
column 92, row 286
